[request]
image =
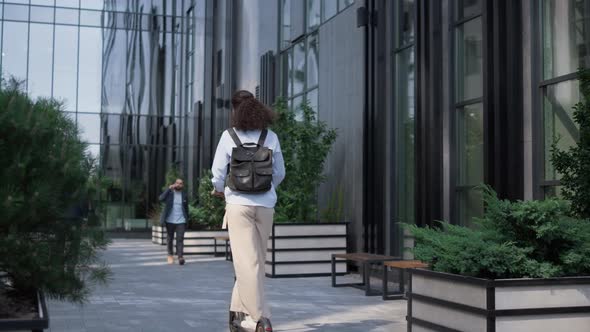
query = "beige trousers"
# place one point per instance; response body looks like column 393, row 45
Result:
column 249, row 229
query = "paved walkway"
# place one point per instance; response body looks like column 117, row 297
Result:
column 146, row 294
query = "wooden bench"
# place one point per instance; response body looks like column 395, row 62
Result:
column 228, row 255
column 366, row 260
column 402, row 266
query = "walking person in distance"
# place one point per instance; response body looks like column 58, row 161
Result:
column 174, row 218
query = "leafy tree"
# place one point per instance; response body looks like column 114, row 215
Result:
column 45, row 241
column 208, row 212
column 574, row 164
column 305, row 144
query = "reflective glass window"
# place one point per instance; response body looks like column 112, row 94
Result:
column 312, row 61
column 16, row 12
column 90, row 72
column 14, row 50
column 313, row 14
column 467, row 8
column 286, row 23
column 65, row 65
column 90, row 17
column 40, row 60
column 68, row 3
column 470, row 135
column 312, row 98
column 469, row 61
column 330, row 9
column 89, row 126
column 565, row 36
column 405, row 25
column 42, row 14
column 66, row 16
column 299, row 68
column 558, row 102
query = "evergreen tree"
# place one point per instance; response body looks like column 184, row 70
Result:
column 46, row 241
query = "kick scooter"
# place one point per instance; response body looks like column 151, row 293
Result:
column 236, row 318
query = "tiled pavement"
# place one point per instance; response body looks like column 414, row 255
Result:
column 146, row 294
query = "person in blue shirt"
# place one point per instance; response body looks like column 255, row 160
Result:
column 174, row 218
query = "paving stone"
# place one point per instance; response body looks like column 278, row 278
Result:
column 148, row 295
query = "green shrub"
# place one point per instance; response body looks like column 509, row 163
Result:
column 45, row 243
column 536, row 239
column 208, row 211
column 574, row 164
column 305, row 144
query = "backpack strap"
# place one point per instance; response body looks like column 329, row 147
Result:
column 262, row 137
column 234, row 136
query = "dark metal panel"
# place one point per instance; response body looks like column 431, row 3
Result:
column 503, row 98
column 428, row 112
column 341, row 77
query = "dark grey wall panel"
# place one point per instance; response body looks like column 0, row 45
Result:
column 341, row 106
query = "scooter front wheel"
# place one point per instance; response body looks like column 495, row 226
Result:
column 264, row 325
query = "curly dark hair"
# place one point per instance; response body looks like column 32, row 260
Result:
column 239, row 97
column 249, row 113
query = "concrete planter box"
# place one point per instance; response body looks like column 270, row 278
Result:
column 39, row 323
column 195, row 242
column 305, row 249
column 448, row 302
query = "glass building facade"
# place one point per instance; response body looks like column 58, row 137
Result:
column 124, row 72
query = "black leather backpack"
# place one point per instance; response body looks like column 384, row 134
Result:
column 250, row 169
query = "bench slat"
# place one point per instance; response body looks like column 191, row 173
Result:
column 406, row 264
column 364, row 257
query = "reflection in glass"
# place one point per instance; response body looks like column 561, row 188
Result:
column 94, row 151
column 16, row 12
column 66, row 16
column 405, row 22
column 92, row 4
column 297, row 107
column 470, row 205
column 313, row 14
column 14, row 50
column 312, row 61
column 41, row 40
column 290, row 75
column 468, row 61
column 90, row 17
column 312, row 98
column 89, row 125
column 470, row 145
column 566, row 42
column 114, row 68
column 65, row 65
column 299, row 68
column 404, row 108
column 286, row 24
column 554, row 191
column 558, row 102
column 467, row 8
column 42, row 14
column 344, row 3
column 330, row 9
column 89, row 78
column 68, row 3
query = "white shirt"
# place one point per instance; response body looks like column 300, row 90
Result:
column 223, row 158
column 176, row 216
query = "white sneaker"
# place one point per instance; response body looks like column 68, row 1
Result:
column 249, row 323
